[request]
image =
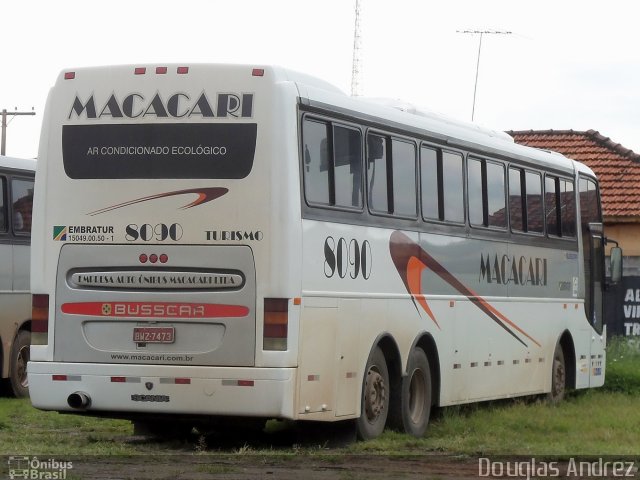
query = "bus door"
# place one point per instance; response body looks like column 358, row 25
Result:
column 594, row 255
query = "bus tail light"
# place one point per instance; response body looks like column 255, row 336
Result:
column 40, row 319
column 276, row 323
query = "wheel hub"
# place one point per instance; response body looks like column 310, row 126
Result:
column 376, row 394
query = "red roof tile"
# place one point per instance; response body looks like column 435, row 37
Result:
column 617, row 167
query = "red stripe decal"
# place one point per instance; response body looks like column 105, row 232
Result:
column 154, row 310
column 204, row 195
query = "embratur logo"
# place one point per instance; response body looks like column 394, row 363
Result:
column 60, row 233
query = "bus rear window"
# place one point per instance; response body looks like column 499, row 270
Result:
column 178, row 150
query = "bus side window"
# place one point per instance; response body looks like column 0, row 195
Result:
column 429, row 168
column 486, row 192
column 533, row 194
column 453, row 187
column 404, row 178
column 496, row 207
column 22, row 199
column 391, row 173
column 517, row 200
column 316, row 162
column 377, row 173
column 3, row 206
column 551, row 209
column 567, row 208
column 348, row 166
column 474, row 185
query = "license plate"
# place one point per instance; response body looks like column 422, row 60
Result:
column 154, row 334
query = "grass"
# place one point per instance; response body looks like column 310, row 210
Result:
column 623, row 366
column 594, row 422
column 589, row 423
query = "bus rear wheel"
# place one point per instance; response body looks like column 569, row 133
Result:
column 416, row 394
column 375, row 397
column 558, row 376
column 18, row 364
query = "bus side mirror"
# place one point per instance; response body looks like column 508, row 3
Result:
column 616, row 265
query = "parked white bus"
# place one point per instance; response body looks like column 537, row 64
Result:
column 16, row 198
column 228, row 241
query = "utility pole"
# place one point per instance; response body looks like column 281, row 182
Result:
column 356, row 68
column 5, row 114
column 481, row 33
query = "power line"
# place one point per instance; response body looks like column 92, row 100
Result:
column 5, row 114
column 481, row 33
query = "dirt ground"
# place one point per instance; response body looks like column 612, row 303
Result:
column 327, row 465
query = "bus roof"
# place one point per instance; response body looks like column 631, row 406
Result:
column 18, row 163
column 454, row 132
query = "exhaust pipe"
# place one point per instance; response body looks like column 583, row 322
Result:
column 79, row 400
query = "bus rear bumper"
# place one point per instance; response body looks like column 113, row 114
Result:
column 241, row 391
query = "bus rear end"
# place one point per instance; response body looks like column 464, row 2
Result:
column 154, row 214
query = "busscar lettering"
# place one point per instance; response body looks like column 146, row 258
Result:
column 505, row 269
column 158, row 310
column 177, row 105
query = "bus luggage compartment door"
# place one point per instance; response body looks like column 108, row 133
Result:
column 155, row 304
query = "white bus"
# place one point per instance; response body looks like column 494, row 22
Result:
column 16, row 199
column 231, row 241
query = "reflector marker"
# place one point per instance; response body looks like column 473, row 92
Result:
column 161, row 70
column 500, row 362
column 125, row 380
column 66, row 378
column 313, row 378
column 457, row 366
column 69, row 75
column 140, row 71
column 351, row 375
column 257, row 72
column 175, row 381
column 487, row 364
column 238, row 383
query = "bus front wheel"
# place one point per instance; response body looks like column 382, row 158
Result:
column 558, row 376
column 416, row 394
column 375, row 397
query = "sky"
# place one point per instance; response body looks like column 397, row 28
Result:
column 567, row 64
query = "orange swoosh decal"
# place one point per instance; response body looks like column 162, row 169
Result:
column 411, row 260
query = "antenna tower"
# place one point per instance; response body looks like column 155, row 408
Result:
column 356, row 69
column 481, row 33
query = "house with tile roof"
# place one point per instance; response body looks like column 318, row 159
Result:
column 618, row 171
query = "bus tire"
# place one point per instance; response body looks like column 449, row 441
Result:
column 375, row 397
column 416, row 394
column 558, row 376
column 18, row 364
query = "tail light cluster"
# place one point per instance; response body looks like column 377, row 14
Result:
column 276, row 324
column 40, row 319
column 153, row 258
